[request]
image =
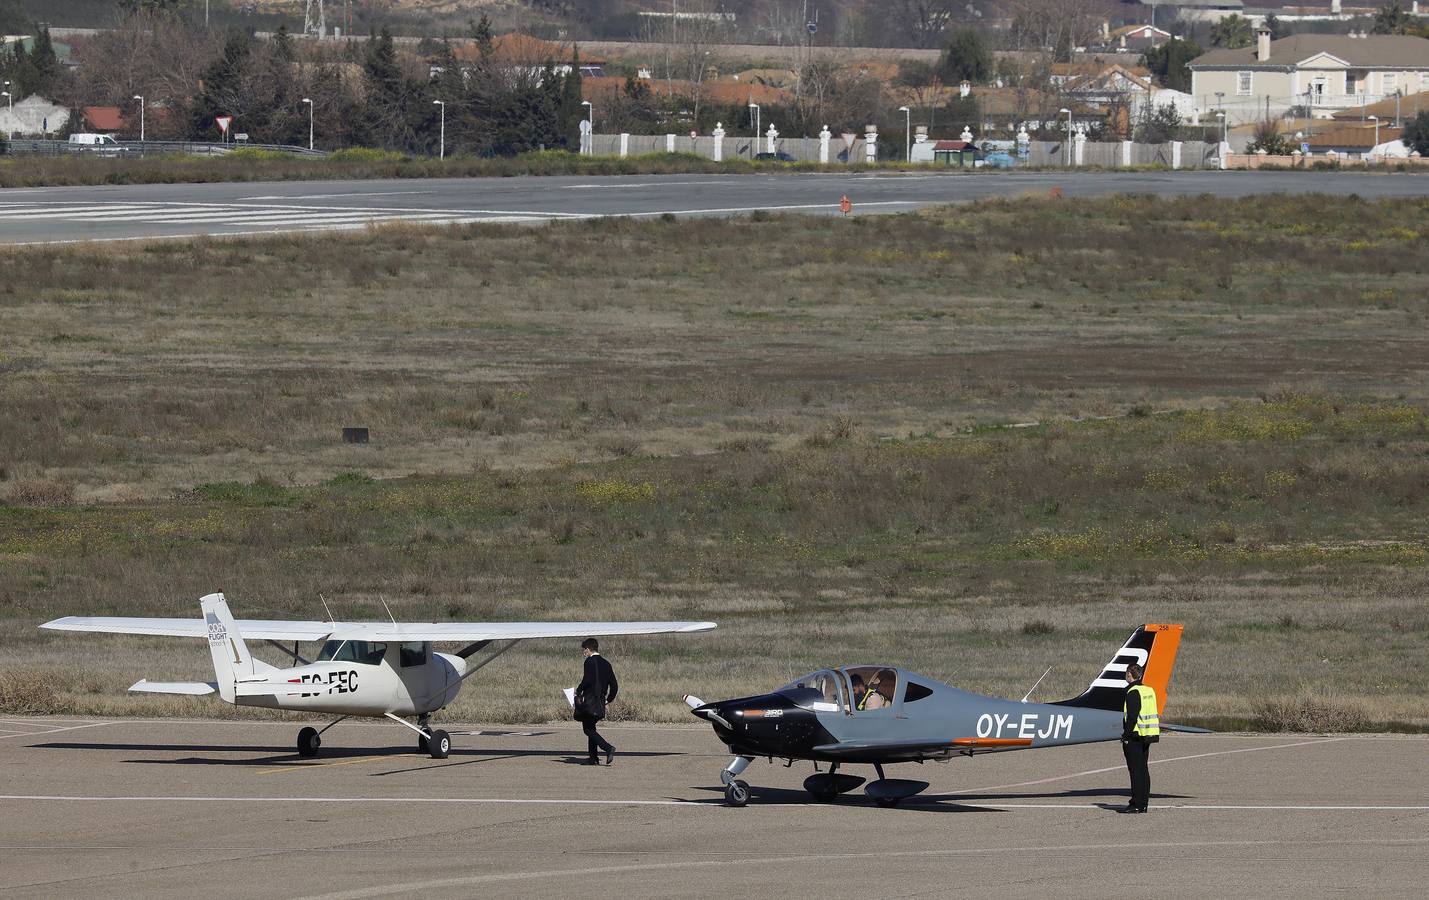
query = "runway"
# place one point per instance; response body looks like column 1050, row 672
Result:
column 173, row 808
column 135, row 212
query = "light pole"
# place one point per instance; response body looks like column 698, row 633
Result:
column 1222, row 117
column 309, row 102
column 590, row 122
column 7, row 96
column 907, row 133
column 442, row 147
column 754, row 144
column 1068, row 142
column 140, row 98
column 1375, row 120
column 1219, row 95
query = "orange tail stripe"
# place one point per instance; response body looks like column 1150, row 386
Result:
column 1163, row 657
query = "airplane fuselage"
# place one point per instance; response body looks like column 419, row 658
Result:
column 349, row 688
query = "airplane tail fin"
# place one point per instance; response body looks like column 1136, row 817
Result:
column 231, row 659
column 1152, row 646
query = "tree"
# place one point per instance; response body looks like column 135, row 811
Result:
column 1158, row 124
column 1278, row 29
column 1416, row 133
column 1267, row 137
column 920, row 22
column 965, row 58
column 1392, row 19
column 1168, row 63
column 1232, row 32
column 12, row 19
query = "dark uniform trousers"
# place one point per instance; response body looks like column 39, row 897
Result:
column 1137, row 753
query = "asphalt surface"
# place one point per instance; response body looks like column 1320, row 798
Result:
column 181, row 808
column 129, row 212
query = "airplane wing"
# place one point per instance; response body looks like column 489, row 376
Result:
column 503, row 631
column 260, row 629
column 278, row 630
column 884, row 751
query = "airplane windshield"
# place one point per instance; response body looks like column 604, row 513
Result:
column 817, row 691
column 368, row 653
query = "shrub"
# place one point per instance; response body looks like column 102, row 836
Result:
column 1311, row 713
column 1267, row 137
column 1038, row 626
column 41, row 492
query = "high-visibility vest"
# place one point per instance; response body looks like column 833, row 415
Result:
column 1148, row 722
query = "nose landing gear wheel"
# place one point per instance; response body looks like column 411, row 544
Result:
column 439, row 744
column 736, row 793
column 309, row 742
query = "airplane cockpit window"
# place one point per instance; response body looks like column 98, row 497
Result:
column 874, row 687
column 818, row 691
column 368, row 653
column 915, row 692
column 414, row 653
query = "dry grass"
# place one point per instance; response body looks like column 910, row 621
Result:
column 789, row 426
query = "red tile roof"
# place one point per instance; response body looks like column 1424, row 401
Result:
column 105, row 118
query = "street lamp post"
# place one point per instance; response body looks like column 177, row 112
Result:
column 907, row 133
column 140, row 98
column 1068, row 142
column 309, row 102
column 442, row 145
column 1375, row 120
column 754, row 144
column 590, row 130
column 7, row 96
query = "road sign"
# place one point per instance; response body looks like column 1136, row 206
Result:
column 1304, row 146
column 223, row 122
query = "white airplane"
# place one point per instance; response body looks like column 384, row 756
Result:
column 370, row 669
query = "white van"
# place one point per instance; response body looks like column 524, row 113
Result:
column 101, row 143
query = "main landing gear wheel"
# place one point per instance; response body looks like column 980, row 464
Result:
column 736, row 793
column 439, row 744
column 423, row 745
column 309, row 742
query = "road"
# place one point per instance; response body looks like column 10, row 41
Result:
column 93, row 808
column 130, row 212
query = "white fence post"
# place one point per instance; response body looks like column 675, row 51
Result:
column 870, row 143
column 718, row 135
column 624, row 145
column 1126, row 153
column 824, row 136
column 1175, row 154
column 669, row 143
column 1079, row 146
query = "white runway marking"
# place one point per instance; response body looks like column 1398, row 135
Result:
column 55, row 730
column 687, row 804
column 334, row 196
column 1017, row 784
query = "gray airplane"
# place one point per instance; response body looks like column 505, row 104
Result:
column 883, row 714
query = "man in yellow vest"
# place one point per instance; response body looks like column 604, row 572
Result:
column 1140, row 728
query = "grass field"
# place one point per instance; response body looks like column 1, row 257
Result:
column 976, row 441
column 361, row 163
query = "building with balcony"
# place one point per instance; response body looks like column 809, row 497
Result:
column 1315, row 74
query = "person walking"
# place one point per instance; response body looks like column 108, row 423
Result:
column 1140, row 728
column 597, row 689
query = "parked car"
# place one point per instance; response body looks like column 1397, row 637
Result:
column 780, row 156
column 999, row 159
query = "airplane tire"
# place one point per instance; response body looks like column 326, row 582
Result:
column 423, row 745
column 309, row 742
column 736, row 793
column 440, row 744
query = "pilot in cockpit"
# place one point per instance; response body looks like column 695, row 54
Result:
column 860, row 690
column 880, row 690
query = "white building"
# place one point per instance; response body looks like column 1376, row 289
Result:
column 1320, row 72
column 32, row 117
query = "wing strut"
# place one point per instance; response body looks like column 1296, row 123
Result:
column 293, row 653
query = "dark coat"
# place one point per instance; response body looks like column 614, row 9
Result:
column 598, row 687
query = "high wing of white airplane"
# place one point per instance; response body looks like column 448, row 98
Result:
column 371, row 669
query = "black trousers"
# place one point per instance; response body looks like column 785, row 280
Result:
column 594, row 739
column 1136, row 753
